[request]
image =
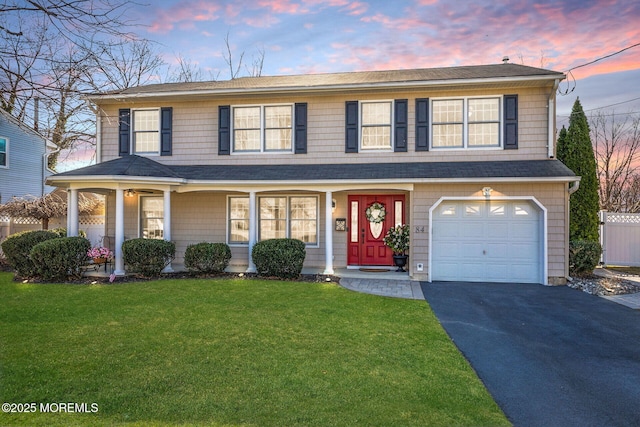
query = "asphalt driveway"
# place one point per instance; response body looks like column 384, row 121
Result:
column 550, row 356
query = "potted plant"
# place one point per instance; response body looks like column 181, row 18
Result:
column 397, row 239
column 99, row 254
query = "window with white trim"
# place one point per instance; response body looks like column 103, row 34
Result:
column 238, row 220
column 375, row 130
column 4, row 149
column 152, row 217
column 294, row 217
column 466, row 123
column 146, row 131
column 262, row 128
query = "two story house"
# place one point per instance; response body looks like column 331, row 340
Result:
column 464, row 155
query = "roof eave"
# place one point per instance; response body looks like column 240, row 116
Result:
column 328, row 88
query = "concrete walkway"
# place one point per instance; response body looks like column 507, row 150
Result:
column 408, row 289
column 628, row 300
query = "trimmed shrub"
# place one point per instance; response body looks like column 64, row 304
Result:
column 17, row 248
column 62, row 232
column 207, row 257
column 148, row 257
column 281, row 258
column 584, row 256
column 61, row 258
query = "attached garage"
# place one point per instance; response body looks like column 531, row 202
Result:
column 488, row 241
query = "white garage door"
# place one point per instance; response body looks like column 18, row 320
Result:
column 487, row 241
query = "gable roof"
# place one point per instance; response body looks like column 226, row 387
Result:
column 133, row 166
column 24, row 127
column 339, row 81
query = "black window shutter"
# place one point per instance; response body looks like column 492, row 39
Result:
column 300, row 143
column 422, row 124
column 351, row 127
column 166, row 119
column 400, row 140
column 511, row 122
column 124, row 125
column 224, row 130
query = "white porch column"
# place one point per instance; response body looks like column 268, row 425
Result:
column 167, row 224
column 72, row 213
column 253, row 229
column 119, row 271
column 328, row 233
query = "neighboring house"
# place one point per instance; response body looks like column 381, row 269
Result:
column 23, row 168
column 464, row 155
column 23, row 159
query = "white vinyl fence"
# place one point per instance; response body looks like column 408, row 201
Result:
column 620, row 238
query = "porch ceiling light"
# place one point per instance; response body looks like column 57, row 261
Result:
column 128, row 193
column 486, row 191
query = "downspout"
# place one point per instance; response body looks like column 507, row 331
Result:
column 45, row 167
column 98, row 136
column 573, row 188
column 551, row 107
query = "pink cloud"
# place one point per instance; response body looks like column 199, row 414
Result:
column 356, row 8
column 282, row 6
column 183, row 15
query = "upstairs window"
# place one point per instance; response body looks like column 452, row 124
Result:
column 146, row 131
column 376, row 125
column 466, row 123
column 4, row 147
column 262, row 128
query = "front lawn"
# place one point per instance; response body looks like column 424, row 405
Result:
column 230, row 352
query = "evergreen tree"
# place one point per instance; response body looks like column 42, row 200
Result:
column 576, row 152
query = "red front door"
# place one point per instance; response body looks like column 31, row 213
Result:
column 370, row 217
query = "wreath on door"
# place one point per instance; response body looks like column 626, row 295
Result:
column 376, row 213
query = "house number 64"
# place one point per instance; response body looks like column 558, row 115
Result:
column 419, row 229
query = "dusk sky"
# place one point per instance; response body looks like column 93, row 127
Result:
column 314, row 36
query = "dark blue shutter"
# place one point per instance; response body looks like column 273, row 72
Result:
column 422, row 124
column 511, row 122
column 124, row 131
column 224, row 130
column 400, row 139
column 166, row 119
column 300, row 142
column 351, row 127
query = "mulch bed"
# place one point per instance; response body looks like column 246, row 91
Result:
column 131, row 278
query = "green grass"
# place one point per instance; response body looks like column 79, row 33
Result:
column 231, row 352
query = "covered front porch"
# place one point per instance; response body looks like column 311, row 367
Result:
column 149, row 200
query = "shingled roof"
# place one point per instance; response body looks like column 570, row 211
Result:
column 336, row 80
column 137, row 166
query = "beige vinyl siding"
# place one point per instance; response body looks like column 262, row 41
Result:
column 195, row 130
column 202, row 216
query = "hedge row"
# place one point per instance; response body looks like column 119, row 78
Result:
column 47, row 255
